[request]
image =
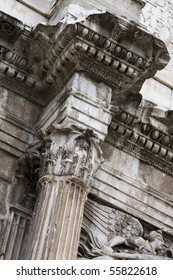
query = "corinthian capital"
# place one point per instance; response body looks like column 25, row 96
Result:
column 70, row 151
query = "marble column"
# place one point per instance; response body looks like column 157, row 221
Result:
column 69, row 159
column 58, row 218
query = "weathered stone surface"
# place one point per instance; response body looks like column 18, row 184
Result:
column 157, row 93
column 25, row 14
column 4, row 191
column 159, row 181
column 83, row 102
column 157, row 17
column 20, row 108
column 110, row 232
column 69, row 159
column 120, row 183
column 8, row 167
column 130, row 8
column 70, row 98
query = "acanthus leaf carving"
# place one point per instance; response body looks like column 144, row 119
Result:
column 26, row 177
column 70, row 151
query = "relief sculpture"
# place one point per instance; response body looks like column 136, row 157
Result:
column 108, row 233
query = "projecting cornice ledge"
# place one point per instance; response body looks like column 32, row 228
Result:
column 108, row 48
column 147, row 138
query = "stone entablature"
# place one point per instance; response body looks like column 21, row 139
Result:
column 117, row 54
column 142, row 140
column 106, row 57
column 70, row 73
column 33, row 12
column 157, row 17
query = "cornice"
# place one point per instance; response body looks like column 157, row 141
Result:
column 142, row 140
column 110, row 49
column 125, row 56
column 10, row 27
column 16, row 68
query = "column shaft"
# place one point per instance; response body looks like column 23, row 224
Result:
column 57, row 219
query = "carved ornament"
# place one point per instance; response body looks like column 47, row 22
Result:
column 26, row 177
column 70, row 152
column 120, row 59
column 121, row 53
column 108, row 232
column 142, row 140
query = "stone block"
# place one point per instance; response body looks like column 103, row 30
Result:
column 156, row 179
column 132, row 196
column 3, row 98
column 7, row 169
column 96, row 91
column 22, row 12
column 129, row 9
column 158, row 93
column 122, row 161
column 21, row 108
column 19, row 133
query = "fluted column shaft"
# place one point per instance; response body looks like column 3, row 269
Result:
column 57, row 219
column 70, row 157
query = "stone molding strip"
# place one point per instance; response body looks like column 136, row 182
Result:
column 142, row 140
column 120, row 57
column 105, row 57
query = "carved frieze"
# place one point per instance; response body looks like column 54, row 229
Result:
column 108, row 232
column 16, row 74
column 100, row 71
column 142, row 140
column 21, row 89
